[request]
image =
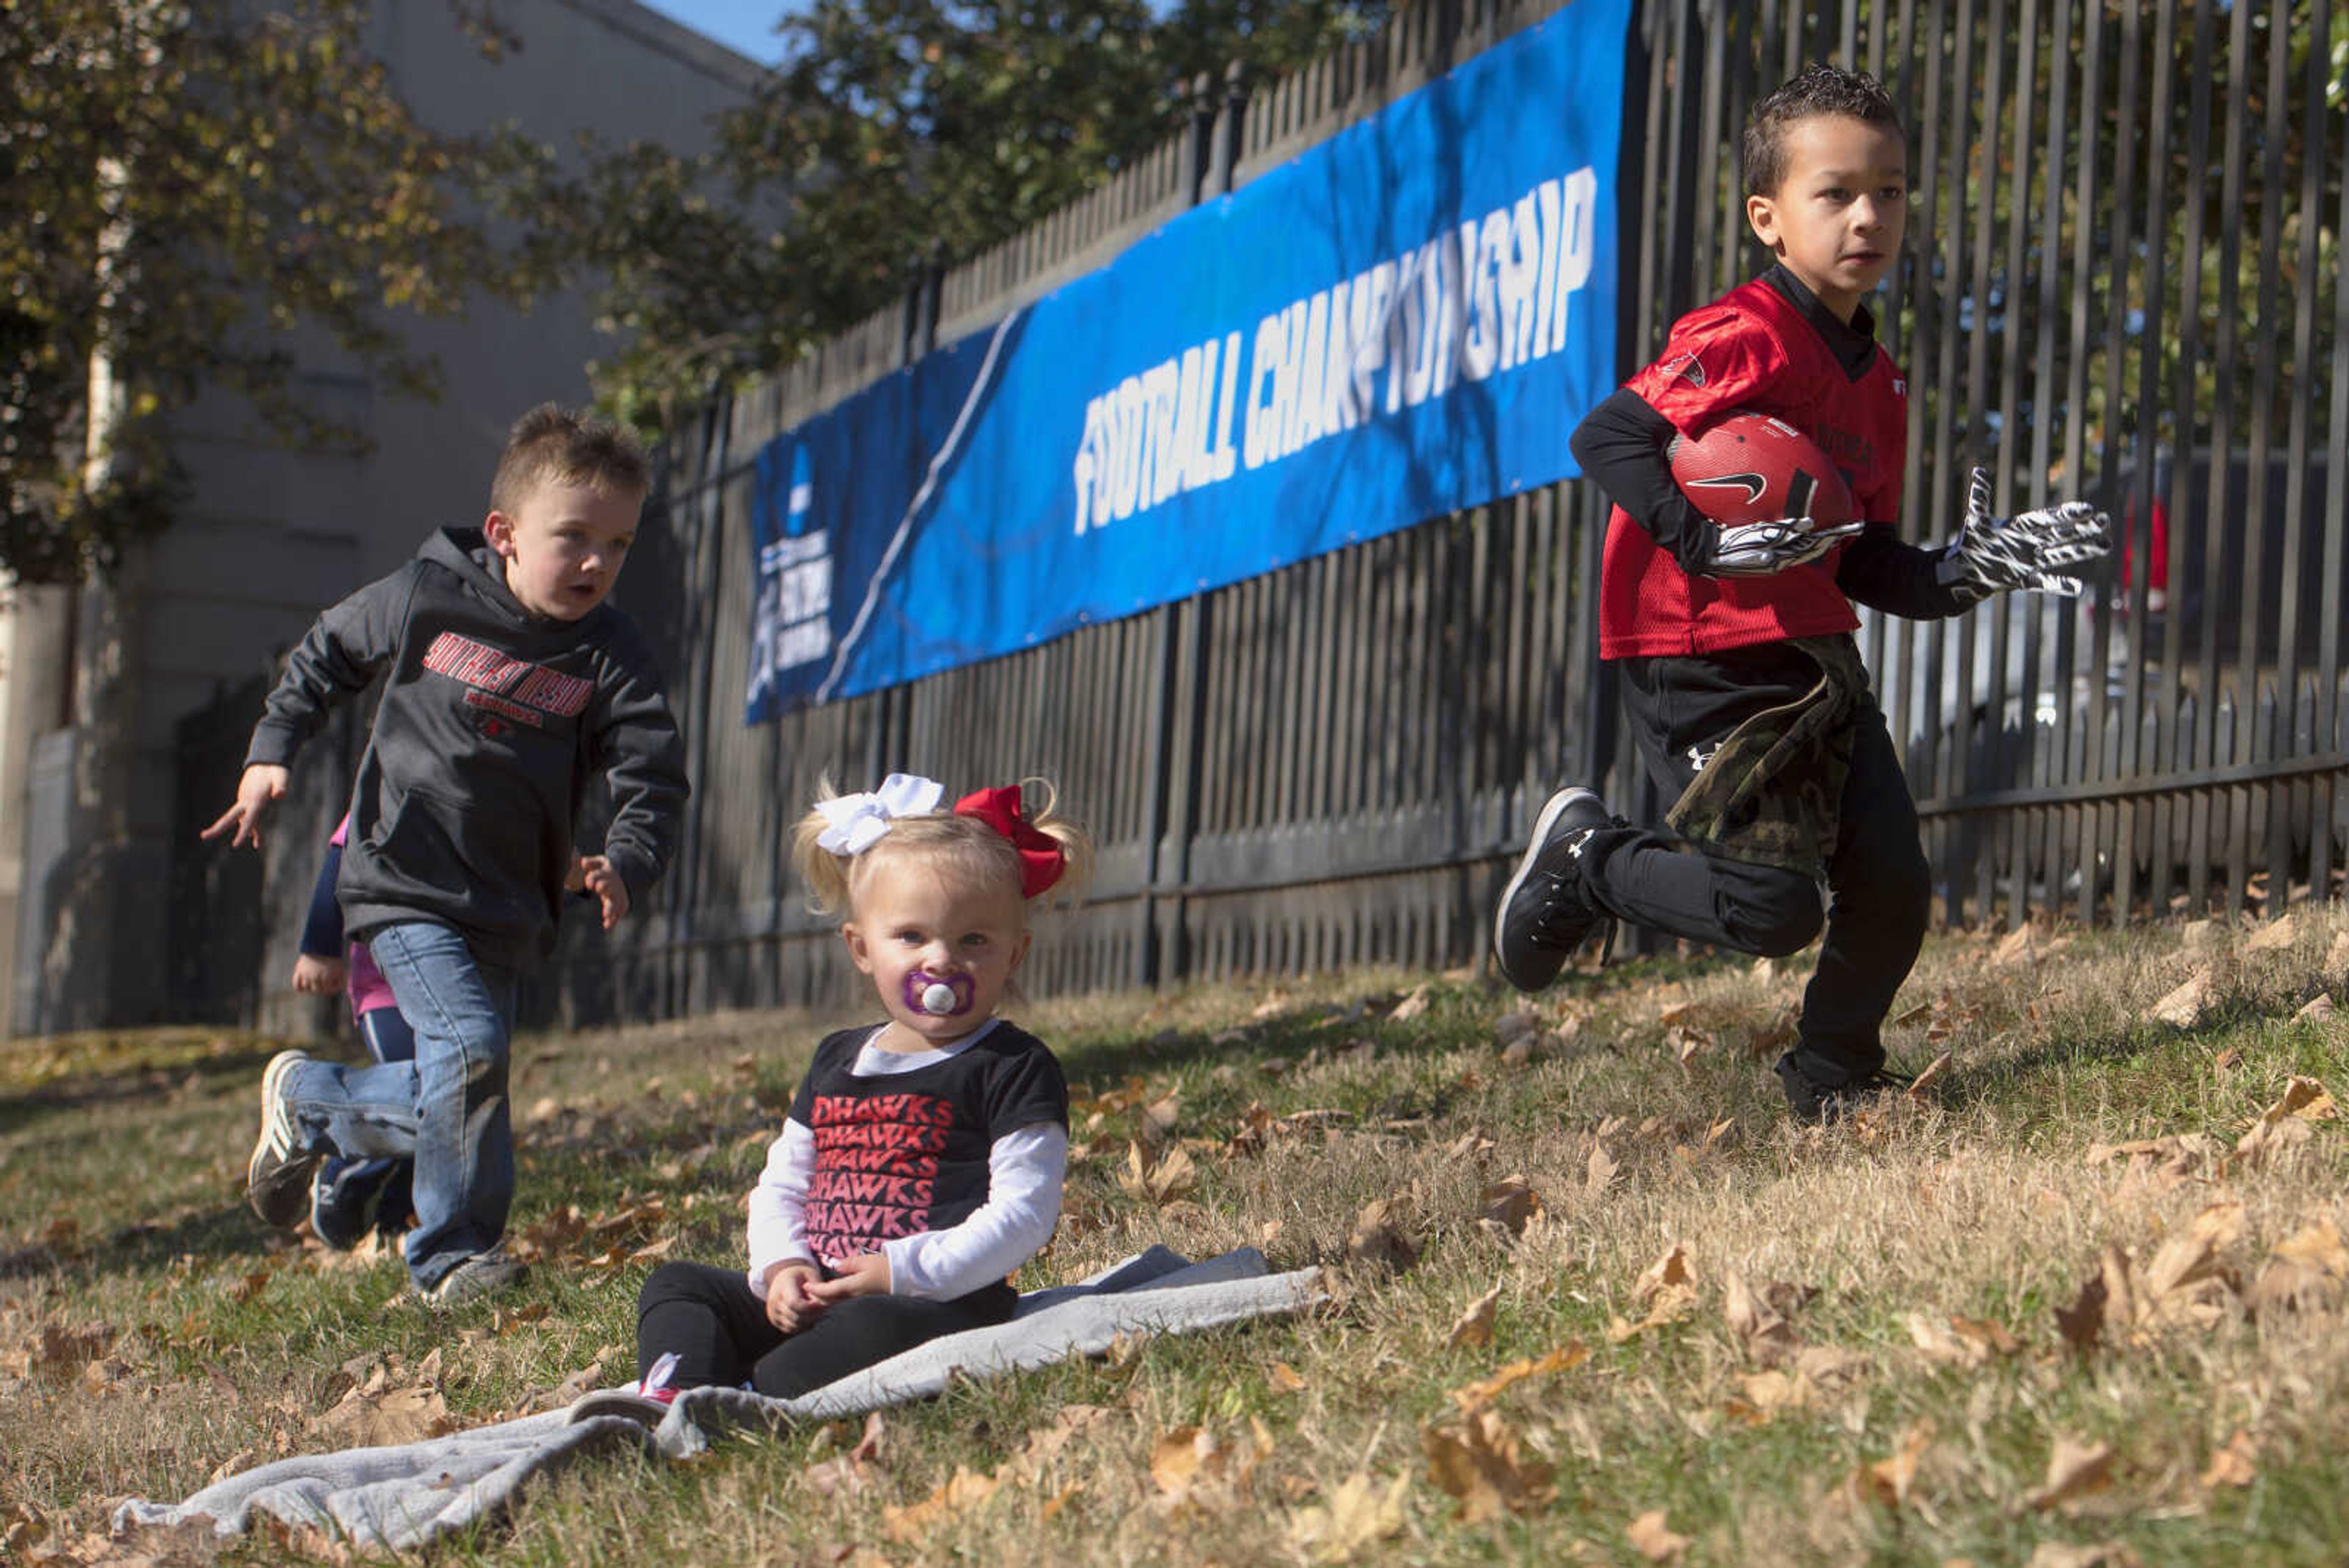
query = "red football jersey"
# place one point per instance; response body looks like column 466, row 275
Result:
column 1753, row 350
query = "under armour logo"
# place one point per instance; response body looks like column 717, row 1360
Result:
column 1700, row 757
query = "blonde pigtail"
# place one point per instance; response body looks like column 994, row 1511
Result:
column 824, row 874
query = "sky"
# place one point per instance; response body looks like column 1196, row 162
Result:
column 744, row 25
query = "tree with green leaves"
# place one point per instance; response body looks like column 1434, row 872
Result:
column 185, row 190
column 893, row 129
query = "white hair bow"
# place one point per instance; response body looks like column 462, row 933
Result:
column 854, row 821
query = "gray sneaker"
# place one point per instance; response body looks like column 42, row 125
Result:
column 482, row 1274
column 277, row 1176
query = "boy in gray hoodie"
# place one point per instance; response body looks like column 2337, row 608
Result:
column 509, row 687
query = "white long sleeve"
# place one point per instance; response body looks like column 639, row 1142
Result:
column 779, row 1204
column 1025, row 1169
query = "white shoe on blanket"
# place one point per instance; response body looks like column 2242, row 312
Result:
column 641, row 1408
column 644, row 1401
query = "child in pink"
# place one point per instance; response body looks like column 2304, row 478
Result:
column 349, row 1195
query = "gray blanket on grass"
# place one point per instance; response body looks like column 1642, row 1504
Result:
column 401, row 1497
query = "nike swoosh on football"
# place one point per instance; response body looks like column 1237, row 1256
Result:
column 1754, row 484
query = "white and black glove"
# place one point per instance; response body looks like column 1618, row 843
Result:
column 1995, row 555
column 1764, row 549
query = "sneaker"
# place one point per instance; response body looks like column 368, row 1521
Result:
column 1545, row 913
column 1819, row 1105
column 277, row 1176
column 344, row 1200
column 482, row 1274
column 644, row 1401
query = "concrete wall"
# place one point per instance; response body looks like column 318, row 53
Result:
column 269, row 537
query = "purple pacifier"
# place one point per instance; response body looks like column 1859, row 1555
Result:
column 939, row 995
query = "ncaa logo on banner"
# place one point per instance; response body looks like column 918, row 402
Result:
column 792, row 623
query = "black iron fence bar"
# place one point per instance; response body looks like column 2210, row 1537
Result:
column 2141, row 787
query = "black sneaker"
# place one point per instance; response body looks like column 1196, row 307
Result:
column 1818, row 1104
column 277, row 1176
column 1545, row 913
column 345, row 1196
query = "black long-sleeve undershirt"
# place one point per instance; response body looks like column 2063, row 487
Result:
column 322, row 933
column 1621, row 444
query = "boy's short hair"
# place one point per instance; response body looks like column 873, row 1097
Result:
column 1810, row 93
column 556, row 445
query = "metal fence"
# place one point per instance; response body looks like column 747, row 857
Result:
column 2123, row 278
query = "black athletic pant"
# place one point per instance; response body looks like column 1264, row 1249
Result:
column 1880, row 884
column 718, row 1326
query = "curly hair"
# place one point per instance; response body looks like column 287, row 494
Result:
column 1809, row 93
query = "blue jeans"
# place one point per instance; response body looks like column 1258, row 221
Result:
column 347, row 1188
column 446, row 1109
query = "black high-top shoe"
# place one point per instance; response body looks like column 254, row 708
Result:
column 1545, row 913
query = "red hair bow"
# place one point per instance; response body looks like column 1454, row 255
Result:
column 1041, row 860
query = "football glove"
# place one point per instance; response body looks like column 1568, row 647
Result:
column 1996, row 554
column 1763, row 549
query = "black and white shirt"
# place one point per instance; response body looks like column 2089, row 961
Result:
column 947, row 1162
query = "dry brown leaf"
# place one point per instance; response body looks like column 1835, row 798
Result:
column 2336, row 957
column 1480, row 1460
column 1411, row 1006
column 2164, row 1161
column 1671, row 1269
column 1475, row 1327
column 1890, row 1481
column 1960, row 1340
column 1158, row 1181
column 1287, row 1378
column 2232, row 1463
column 374, row 1416
column 1768, row 1393
column 2184, row 1285
column 2317, row 1009
column 1509, row 1202
column 2277, row 933
column 2075, row 1469
column 1379, row 1240
column 2083, row 1323
column 1652, row 1539
column 1935, row 1071
column 1601, row 1173
column 1358, row 1514
column 2102, row 1554
column 1673, row 1303
column 1764, row 1331
column 965, row 1489
column 2020, row 946
column 1572, row 1353
column 2184, row 1005
column 2305, row 1273
column 1181, row 1459
column 1070, row 1424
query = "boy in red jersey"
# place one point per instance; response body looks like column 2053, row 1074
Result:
column 1744, row 684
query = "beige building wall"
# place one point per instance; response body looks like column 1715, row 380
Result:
column 267, row 537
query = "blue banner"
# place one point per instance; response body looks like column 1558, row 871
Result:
column 1406, row 319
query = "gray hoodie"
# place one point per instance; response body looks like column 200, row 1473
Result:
column 492, row 724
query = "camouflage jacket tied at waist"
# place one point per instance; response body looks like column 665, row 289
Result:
column 1769, row 794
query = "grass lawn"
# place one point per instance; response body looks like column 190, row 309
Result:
column 1593, row 1298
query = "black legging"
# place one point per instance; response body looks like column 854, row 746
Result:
column 718, row 1326
column 1879, row 880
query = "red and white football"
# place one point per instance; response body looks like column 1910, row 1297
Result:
column 1755, row 468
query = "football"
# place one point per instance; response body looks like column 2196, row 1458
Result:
column 1754, row 468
